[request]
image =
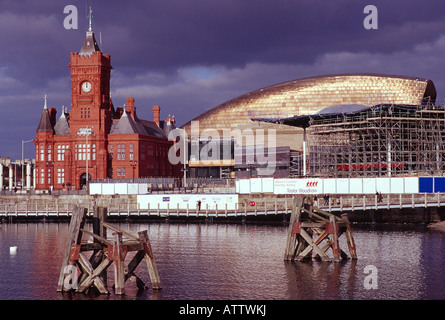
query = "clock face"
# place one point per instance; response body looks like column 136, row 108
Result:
column 86, row 86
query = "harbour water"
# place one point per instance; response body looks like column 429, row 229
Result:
column 203, row 261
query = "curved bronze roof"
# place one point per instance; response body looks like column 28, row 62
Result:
column 308, row 95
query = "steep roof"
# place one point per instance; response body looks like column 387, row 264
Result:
column 128, row 125
column 90, row 45
column 62, row 126
column 168, row 126
column 152, row 129
column 45, row 120
column 125, row 125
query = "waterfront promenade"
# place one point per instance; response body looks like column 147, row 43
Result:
column 361, row 208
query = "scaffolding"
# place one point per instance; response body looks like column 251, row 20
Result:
column 382, row 140
column 295, row 164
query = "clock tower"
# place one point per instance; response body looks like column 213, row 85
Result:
column 90, row 87
column 90, row 118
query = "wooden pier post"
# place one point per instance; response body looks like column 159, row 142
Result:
column 99, row 217
column 105, row 253
column 293, row 223
column 74, row 237
column 334, row 241
column 150, row 261
column 349, row 237
column 119, row 254
column 314, row 230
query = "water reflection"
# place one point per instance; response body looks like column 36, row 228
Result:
column 317, row 280
column 234, row 261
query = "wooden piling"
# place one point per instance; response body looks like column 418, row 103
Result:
column 118, row 258
column 150, row 261
column 334, row 241
column 105, row 253
column 312, row 230
column 74, row 237
column 349, row 237
column 293, row 223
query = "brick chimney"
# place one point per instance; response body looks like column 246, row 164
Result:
column 157, row 115
column 52, row 115
column 130, row 107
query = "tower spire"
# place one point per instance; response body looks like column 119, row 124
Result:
column 90, row 44
column 45, row 120
column 45, row 106
column 90, row 19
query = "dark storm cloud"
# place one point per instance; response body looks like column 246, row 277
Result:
column 190, row 55
column 169, row 34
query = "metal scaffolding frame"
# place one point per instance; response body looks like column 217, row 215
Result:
column 296, row 164
column 383, row 140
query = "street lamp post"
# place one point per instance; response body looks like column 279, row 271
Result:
column 86, row 131
column 133, row 163
column 184, row 169
column 50, row 165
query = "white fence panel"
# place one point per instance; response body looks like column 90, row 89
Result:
column 356, row 185
column 397, row 185
column 108, row 188
column 95, row 188
column 342, row 186
column 267, row 184
column 329, row 186
column 121, row 188
column 255, row 185
column 411, row 185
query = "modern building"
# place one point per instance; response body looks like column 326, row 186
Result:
column 233, row 119
column 308, row 95
column 95, row 140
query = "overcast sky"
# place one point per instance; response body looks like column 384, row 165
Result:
column 191, row 55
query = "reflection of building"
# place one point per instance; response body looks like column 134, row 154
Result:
column 95, row 140
column 17, row 174
column 301, row 97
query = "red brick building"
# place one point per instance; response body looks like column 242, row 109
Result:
column 94, row 139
